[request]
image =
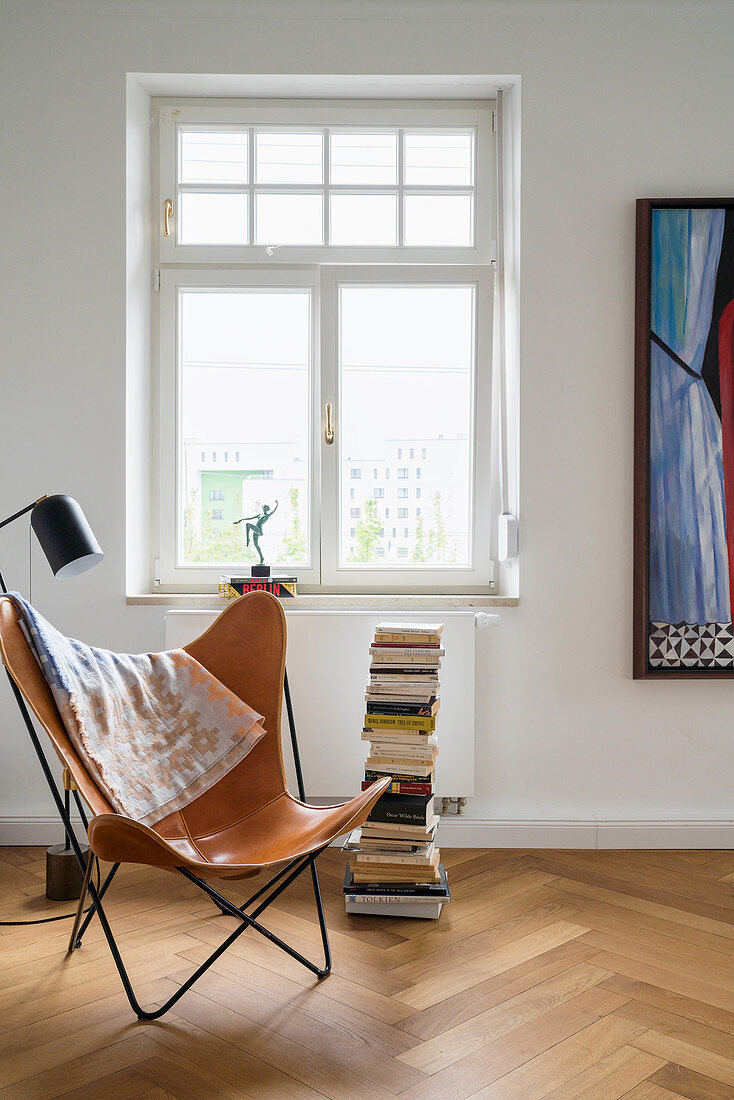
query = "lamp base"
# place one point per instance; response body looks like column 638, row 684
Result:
column 63, row 875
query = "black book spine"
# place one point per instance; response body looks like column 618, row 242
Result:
column 415, row 710
column 392, row 815
column 412, row 802
column 415, row 889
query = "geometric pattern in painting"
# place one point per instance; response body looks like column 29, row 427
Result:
column 691, row 645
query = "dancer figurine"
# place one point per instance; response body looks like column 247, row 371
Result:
column 256, row 529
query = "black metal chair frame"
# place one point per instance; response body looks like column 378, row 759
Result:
column 272, row 889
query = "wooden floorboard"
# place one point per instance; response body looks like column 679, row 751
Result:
column 554, row 975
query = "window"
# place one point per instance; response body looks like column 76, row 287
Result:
column 325, row 253
column 418, row 492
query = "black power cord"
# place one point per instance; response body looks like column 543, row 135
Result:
column 49, row 920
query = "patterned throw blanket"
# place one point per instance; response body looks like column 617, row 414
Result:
column 155, row 730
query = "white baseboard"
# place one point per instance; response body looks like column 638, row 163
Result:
column 19, row 832
column 457, row 831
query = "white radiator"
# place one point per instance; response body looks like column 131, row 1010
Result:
column 327, row 663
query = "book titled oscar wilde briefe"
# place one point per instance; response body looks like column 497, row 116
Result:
column 403, row 809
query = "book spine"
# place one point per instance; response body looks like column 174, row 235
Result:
column 371, row 777
column 399, row 786
column 407, row 651
column 377, row 720
column 412, row 647
column 400, row 738
column 420, row 770
column 397, row 817
column 398, row 709
column 429, row 657
column 421, row 889
column 407, row 639
column 409, row 756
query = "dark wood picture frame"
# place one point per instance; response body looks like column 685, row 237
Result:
column 643, row 668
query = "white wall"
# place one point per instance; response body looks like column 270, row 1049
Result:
column 619, row 100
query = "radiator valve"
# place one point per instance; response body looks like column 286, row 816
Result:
column 446, row 804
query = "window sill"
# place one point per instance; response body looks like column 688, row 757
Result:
column 209, row 601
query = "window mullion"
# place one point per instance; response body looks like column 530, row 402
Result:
column 401, row 188
column 327, row 186
column 251, row 185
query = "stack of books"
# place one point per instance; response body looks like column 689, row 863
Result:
column 230, row 586
column 394, row 860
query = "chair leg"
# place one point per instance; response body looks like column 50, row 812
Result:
column 93, row 907
column 222, row 902
column 324, row 973
column 91, row 859
column 246, row 921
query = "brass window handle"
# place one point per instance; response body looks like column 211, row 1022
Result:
column 329, row 431
column 167, row 215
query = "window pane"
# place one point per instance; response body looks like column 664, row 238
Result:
column 438, row 159
column 364, row 158
column 289, row 219
column 244, row 429
column 364, row 219
column 438, row 220
column 213, row 157
column 289, row 158
column 406, row 374
column 213, row 219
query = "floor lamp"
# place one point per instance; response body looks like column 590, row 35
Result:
column 70, row 547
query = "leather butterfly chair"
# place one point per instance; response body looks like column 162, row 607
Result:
column 247, row 821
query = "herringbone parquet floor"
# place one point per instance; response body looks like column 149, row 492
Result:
column 584, row 975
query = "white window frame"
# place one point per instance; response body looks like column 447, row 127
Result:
column 323, row 270
column 479, row 573
column 329, row 115
column 172, row 571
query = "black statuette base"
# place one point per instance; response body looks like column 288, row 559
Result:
column 260, row 571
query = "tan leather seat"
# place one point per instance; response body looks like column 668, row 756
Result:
column 249, row 819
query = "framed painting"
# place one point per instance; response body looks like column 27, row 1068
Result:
column 684, row 439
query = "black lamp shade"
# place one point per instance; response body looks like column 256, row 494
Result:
column 65, row 536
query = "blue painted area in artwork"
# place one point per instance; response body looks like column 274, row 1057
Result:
column 689, row 573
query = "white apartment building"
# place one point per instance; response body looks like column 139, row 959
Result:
column 403, row 483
